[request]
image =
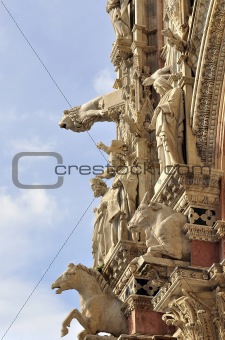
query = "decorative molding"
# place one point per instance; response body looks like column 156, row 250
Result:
column 144, row 279
column 193, row 300
column 121, row 51
column 208, row 87
column 181, row 278
column 195, row 40
column 184, row 187
column 220, row 229
column 191, row 316
column 119, row 259
column 135, row 302
column 199, row 232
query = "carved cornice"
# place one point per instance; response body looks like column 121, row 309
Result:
column 141, row 278
column 119, row 259
column 181, row 278
column 144, row 46
column 184, row 186
column 135, row 302
column 200, row 232
column 208, row 87
column 121, row 51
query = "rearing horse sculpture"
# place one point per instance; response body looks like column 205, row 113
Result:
column 100, row 307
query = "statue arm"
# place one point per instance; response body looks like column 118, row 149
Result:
column 103, row 147
column 152, row 125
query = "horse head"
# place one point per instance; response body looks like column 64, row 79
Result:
column 67, row 280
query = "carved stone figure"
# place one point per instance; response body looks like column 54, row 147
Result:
column 101, row 235
column 121, row 197
column 168, row 121
column 100, row 307
column 174, row 40
column 122, row 203
column 81, row 118
column 163, row 229
column 118, row 12
column 117, row 152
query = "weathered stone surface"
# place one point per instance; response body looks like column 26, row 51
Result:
column 171, row 144
column 100, row 307
column 163, row 228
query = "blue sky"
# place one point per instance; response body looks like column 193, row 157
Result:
column 74, row 41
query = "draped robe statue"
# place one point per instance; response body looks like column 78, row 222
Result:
column 168, row 123
column 118, row 12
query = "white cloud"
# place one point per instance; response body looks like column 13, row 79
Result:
column 103, row 82
column 26, row 220
column 29, row 144
column 28, row 206
column 40, row 318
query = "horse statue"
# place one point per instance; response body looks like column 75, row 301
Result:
column 100, row 308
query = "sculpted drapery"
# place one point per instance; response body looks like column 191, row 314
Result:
column 118, row 12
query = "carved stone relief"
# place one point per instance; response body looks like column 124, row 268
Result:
column 96, row 298
column 208, row 87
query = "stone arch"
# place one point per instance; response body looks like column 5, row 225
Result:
column 208, row 95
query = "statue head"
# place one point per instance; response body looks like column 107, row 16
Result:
column 161, row 85
column 112, row 4
column 98, row 186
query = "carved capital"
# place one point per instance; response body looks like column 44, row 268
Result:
column 135, row 302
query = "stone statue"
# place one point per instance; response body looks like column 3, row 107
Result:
column 175, row 40
column 118, row 12
column 101, row 235
column 122, row 203
column 117, row 152
column 81, row 118
column 121, row 197
column 167, row 121
column 100, row 307
column 163, row 229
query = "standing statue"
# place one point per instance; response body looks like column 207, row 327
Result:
column 118, row 12
column 122, row 203
column 168, row 120
column 121, row 197
column 101, row 239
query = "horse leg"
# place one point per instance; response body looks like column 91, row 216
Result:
column 74, row 314
column 82, row 334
